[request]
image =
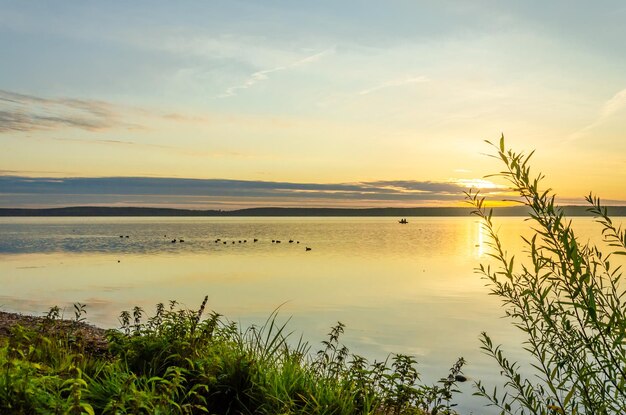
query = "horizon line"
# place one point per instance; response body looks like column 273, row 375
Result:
column 138, row 211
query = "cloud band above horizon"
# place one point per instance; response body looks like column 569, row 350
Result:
column 21, row 191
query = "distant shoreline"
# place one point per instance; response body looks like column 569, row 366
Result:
column 77, row 211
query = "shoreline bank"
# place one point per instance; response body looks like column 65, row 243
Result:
column 94, row 337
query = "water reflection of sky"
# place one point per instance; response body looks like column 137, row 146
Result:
column 353, row 236
column 398, row 288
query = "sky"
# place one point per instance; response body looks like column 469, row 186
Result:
column 211, row 104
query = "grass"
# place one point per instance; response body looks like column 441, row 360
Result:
column 180, row 361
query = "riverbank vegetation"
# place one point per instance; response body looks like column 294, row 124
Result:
column 566, row 296
column 182, row 362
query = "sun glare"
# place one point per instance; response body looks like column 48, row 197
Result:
column 479, row 184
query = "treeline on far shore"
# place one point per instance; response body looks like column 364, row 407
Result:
column 278, row 211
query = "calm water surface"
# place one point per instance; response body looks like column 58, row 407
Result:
column 398, row 288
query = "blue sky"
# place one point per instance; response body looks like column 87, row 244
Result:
column 313, row 92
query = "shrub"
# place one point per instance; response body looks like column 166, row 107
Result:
column 568, row 300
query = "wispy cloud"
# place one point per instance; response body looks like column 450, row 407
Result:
column 395, row 83
column 411, row 186
column 609, row 109
column 20, row 112
column 264, row 75
column 31, row 172
column 190, row 152
column 613, row 105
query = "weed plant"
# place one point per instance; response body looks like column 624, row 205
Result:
column 568, row 300
column 180, row 362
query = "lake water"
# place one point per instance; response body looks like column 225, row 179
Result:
column 398, row 288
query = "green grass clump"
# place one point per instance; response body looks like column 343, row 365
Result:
column 180, row 362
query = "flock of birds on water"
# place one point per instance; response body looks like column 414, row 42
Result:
column 219, row 240
column 255, row 240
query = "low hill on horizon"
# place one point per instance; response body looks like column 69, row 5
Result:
column 278, row 211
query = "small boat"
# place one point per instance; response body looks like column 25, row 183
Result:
column 403, row 221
